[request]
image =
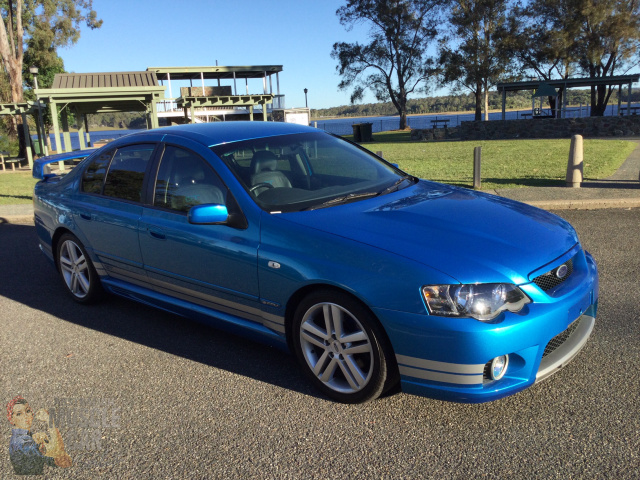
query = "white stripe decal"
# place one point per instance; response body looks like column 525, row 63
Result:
column 441, row 377
column 458, row 368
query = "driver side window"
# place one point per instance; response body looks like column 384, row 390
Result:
column 185, row 180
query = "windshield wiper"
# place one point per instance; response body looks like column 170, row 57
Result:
column 396, row 185
column 357, row 196
column 343, row 199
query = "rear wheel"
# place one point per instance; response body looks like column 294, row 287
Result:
column 77, row 272
column 338, row 344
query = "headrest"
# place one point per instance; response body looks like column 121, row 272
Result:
column 263, row 160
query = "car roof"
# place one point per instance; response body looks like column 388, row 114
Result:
column 216, row 133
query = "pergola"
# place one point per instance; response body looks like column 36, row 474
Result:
column 89, row 93
column 23, row 109
column 535, row 85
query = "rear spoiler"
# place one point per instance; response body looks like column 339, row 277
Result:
column 40, row 164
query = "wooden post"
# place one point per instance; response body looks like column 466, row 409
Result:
column 86, row 129
column 64, row 117
column 27, row 140
column 379, row 153
column 574, row 166
column 154, row 114
column 80, row 122
column 477, row 158
column 56, row 131
column 620, row 101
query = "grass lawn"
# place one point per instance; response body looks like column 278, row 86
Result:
column 505, row 163
column 16, row 187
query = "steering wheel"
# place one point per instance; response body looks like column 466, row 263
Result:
column 258, row 185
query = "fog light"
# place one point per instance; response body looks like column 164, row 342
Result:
column 499, row 367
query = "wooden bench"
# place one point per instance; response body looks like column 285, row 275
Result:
column 443, row 122
column 12, row 161
column 634, row 110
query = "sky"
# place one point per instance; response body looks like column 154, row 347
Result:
column 297, row 34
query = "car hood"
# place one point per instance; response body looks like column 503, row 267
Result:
column 471, row 236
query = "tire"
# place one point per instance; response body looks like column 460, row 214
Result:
column 337, row 342
column 77, row 271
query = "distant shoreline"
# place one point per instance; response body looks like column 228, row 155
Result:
column 463, row 112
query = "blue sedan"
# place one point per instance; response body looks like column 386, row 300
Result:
column 297, row 238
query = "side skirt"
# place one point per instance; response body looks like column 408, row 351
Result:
column 214, row 318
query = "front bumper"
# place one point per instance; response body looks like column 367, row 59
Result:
column 446, row 358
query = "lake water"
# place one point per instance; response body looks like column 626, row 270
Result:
column 344, row 126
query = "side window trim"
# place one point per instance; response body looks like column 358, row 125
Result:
column 149, row 175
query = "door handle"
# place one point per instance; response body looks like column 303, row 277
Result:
column 157, row 234
column 86, row 216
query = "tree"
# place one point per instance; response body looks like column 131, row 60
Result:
column 41, row 52
column 477, row 60
column 600, row 38
column 541, row 51
column 20, row 19
column 394, row 63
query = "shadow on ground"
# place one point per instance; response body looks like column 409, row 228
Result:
column 30, row 279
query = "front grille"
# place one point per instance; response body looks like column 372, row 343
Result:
column 559, row 339
column 549, row 280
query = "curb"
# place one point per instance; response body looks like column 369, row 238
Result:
column 587, row 204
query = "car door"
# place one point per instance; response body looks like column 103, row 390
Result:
column 109, row 207
column 210, row 265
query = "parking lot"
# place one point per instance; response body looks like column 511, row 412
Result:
column 151, row 395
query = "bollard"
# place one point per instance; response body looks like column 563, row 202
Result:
column 477, row 158
column 574, row 167
column 379, row 153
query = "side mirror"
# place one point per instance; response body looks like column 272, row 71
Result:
column 208, row 214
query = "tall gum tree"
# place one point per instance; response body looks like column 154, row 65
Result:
column 394, row 63
column 599, row 38
column 473, row 54
column 20, row 19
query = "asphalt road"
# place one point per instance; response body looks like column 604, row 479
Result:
column 145, row 394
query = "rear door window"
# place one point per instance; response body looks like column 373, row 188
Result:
column 126, row 173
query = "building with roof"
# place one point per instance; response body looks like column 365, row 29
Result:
column 191, row 96
column 229, row 96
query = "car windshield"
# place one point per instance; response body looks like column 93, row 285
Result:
column 308, row 171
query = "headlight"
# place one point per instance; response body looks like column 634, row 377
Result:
column 484, row 301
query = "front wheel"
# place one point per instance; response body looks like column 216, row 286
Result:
column 338, row 344
column 77, row 271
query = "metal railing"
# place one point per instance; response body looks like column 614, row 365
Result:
column 169, row 105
